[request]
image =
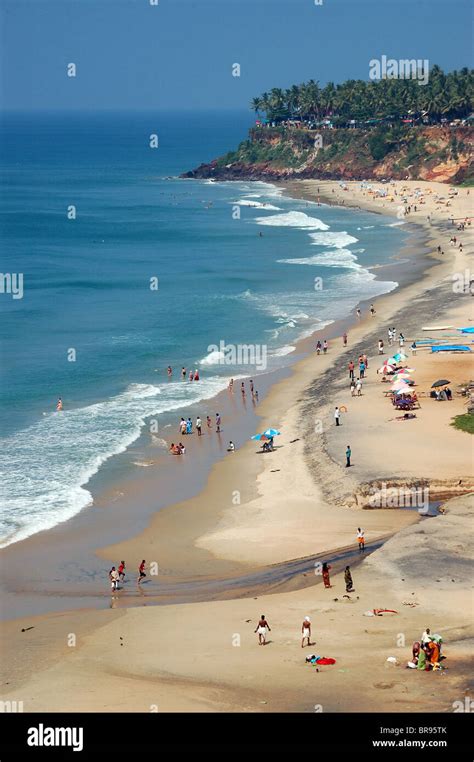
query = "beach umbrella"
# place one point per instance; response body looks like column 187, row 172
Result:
column 400, row 384
column 260, row 437
column 387, row 368
column 440, row 382
column 401, row 377
column 400, row 356
column 271, row 433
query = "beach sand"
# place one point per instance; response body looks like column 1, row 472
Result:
column 258, row 510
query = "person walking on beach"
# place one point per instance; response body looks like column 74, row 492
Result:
column 413, row 348
column 218, row 423
column 358, row 387
column 198, row 426
column 401, row 340
column 351, row 370
column 182, row 426
column 353, row 388
column 380, row 347
column 251, row 387
column 318, row 348
column 325, row 346
column 337, row 415
column 326, row 580
column 209, row 422
column 365, row 360
column 262, row 628
column 348, row 456
column 242, row 388
column 231, row 385
column 189, row 426
column 361, row 539
column 344, row 339
column 361, row 369
column 121, row 570
column 348, row 579
column 389, row 337
column 306, row 631
column 141, row 572
column 358, row 313
column 114, row 578
column 372, row 310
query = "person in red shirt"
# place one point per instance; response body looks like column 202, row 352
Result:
column 351, row 370
column 141, row 571
column 121, row 570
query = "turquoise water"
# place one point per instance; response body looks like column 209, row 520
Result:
column 235, row 264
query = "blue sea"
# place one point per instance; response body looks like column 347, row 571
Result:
column 147, row 271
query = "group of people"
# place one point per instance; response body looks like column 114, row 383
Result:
column 443, row 395
column 356, row 383
column 263, row 627
column 186, row 427
column 253, row 391
column 117, row 576
column 392, row 337
column 193, row 374
column 324, row 346
column 426, row 653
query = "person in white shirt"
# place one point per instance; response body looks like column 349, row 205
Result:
column 426, row 637
column 114, row 578
column 337, row 415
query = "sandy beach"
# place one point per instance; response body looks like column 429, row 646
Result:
column 257, row 513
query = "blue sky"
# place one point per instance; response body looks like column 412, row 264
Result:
column 178, row 55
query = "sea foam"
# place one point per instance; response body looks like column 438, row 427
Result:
column 293, row 220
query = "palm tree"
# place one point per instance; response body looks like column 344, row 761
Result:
column 444, row 94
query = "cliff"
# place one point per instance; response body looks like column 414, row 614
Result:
column 439, row 153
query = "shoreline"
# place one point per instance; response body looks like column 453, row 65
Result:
column 41, row 548
column 295, row 500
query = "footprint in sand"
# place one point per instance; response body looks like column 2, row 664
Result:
column 384, row 686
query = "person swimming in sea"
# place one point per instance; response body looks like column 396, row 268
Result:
column 59, row 404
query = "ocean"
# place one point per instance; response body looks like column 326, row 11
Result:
column 127, row 269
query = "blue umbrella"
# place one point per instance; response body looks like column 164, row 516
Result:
column 271, row 433
column 259, row 436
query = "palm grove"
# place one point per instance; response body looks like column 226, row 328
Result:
column 446, row 96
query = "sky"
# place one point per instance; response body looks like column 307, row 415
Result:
column 178, row 55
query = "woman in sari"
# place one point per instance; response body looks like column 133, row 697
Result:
column 326, row 580
column 432, row 653
column 416, row 651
